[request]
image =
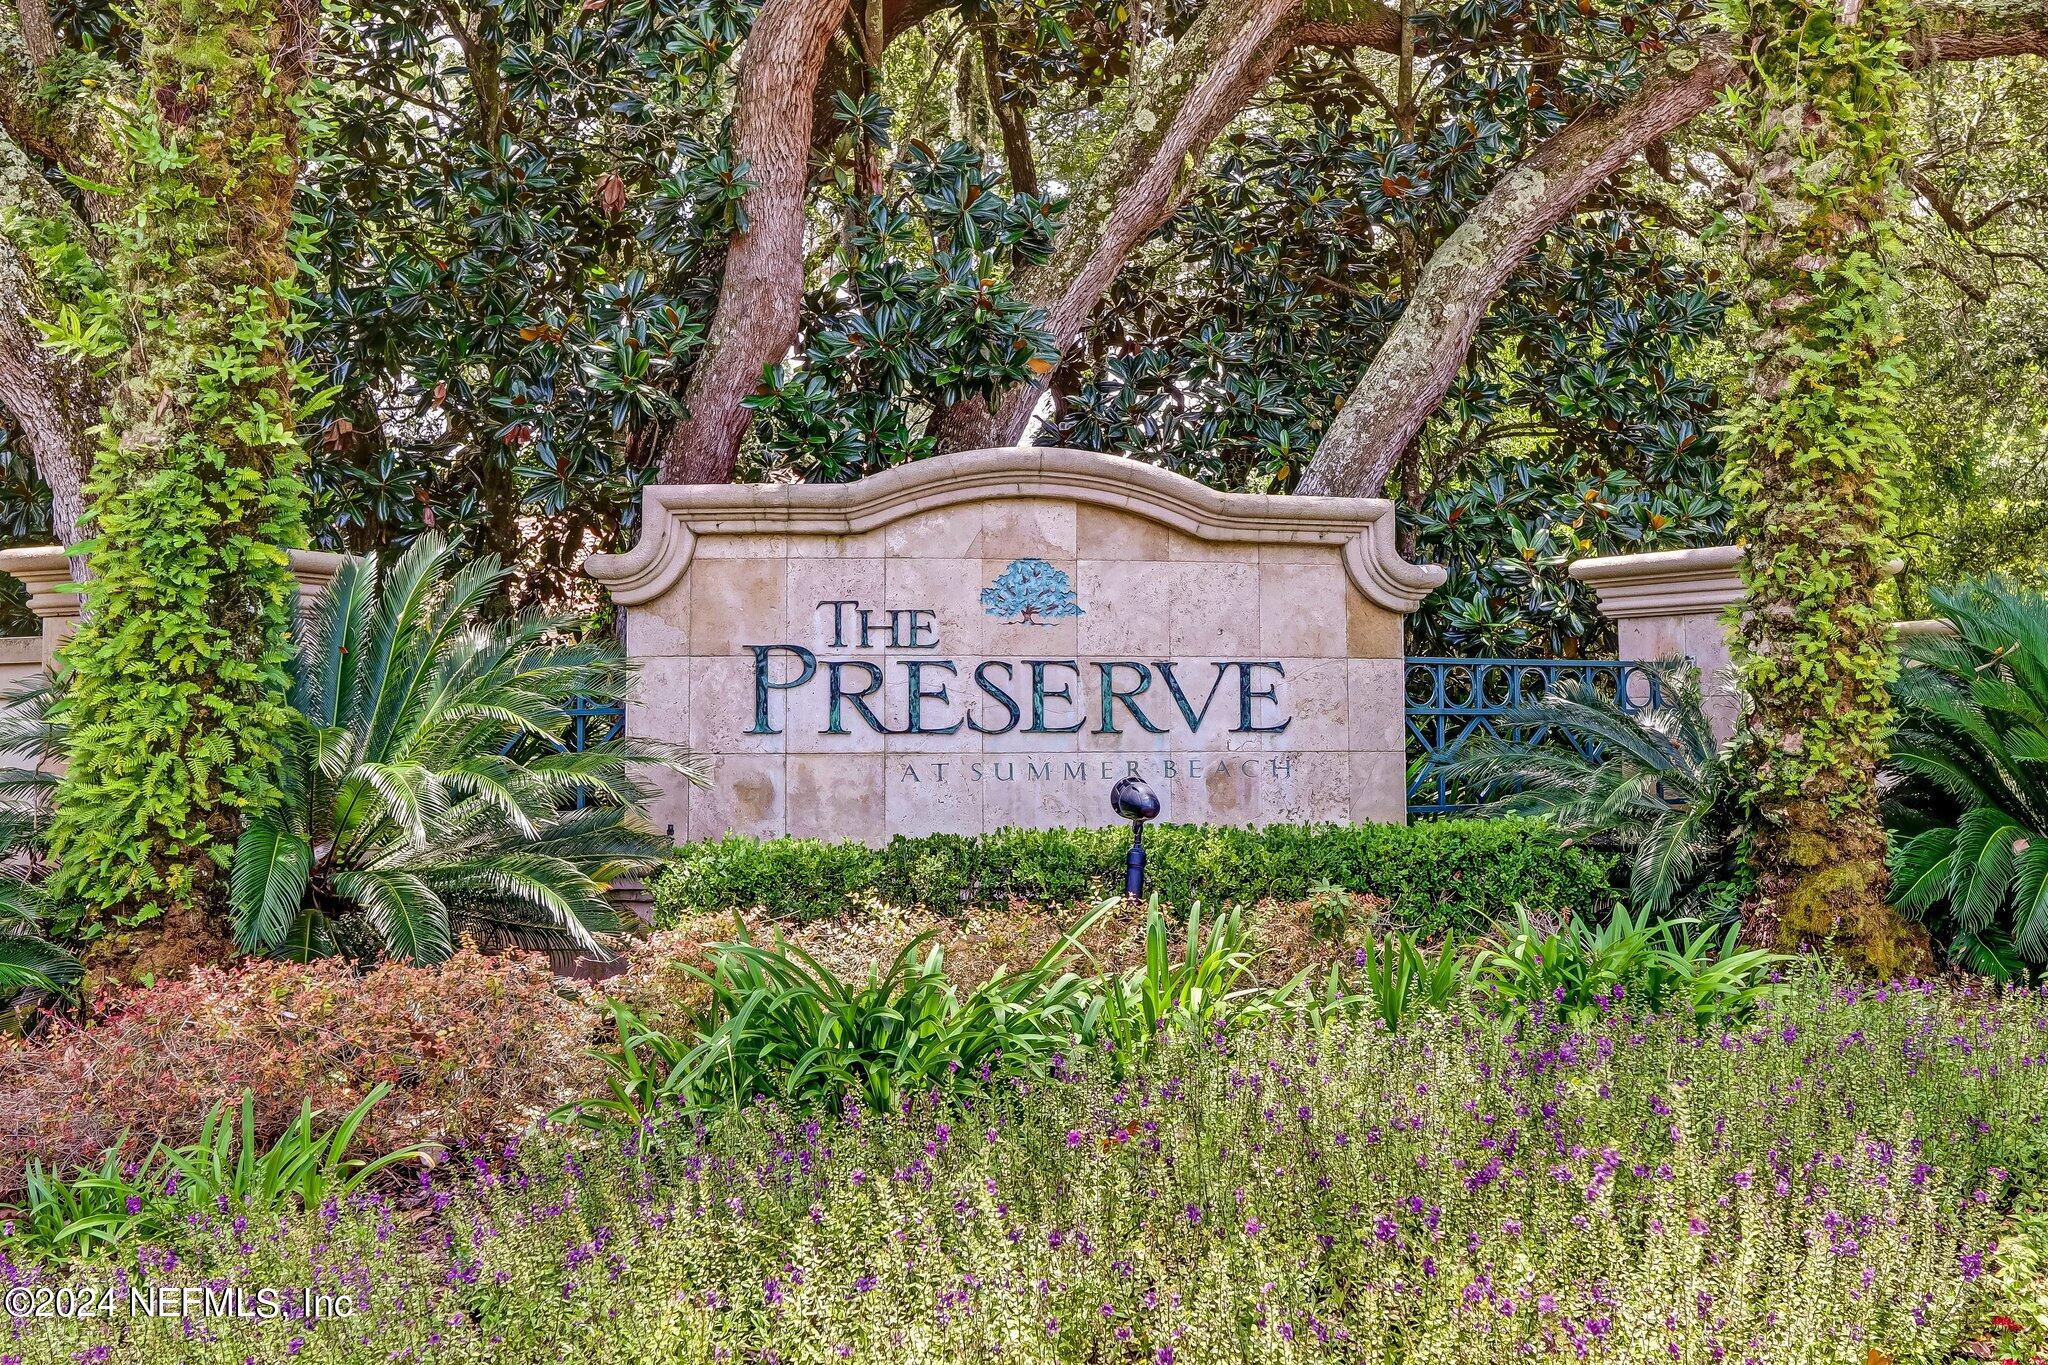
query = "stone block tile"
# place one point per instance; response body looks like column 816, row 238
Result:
column 659, row 707
column 950, row 589
column 942, row 533
column 1379, row 704
column 1379, row 787
column 931, row 794
column 1106, row 533
column 745, row 797
column 836, row 796
column 724, row 706
column 1215, row 611
column 737, row 602
column 808, row 709
column 1370, row 630
column 747, row 545
column 1301, row 609
column 1129, row 606
column 813, row 583
column 1038, row 528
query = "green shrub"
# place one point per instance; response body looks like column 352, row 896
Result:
column 426, row 790
column 781, row 1023
column 1441, row 875
column 1579, row 972
column 226, row 1168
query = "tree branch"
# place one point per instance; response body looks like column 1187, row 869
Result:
column 38, row 34
column 1424, row 351
column 1176, row 109
column 53, row 401
column 761, row 294
column 70, row 134
column 1009, row 112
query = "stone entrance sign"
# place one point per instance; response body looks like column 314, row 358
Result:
column 993, row 638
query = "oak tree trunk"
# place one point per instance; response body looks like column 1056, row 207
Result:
column 761, row 295
column 176, row 708
column 1811, row 450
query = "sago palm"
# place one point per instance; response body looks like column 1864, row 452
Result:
column 426, row 790
column 1651, row 783
column 30, row 965
column 1969, row 801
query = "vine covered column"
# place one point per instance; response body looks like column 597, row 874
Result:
column 178, row 673
column 1811, row 447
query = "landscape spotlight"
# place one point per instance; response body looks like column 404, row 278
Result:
column 1132, row 800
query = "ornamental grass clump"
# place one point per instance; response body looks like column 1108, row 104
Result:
column 1821, row 1184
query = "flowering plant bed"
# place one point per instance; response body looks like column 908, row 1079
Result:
column 1824, row 1183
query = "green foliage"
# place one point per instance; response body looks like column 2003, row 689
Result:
column 1650, row 782
column 31, row 967
column 1329, row 911
column 124, row 1202
column 87, row 326
column 1578, row 972
column 1971, row 815
column 889, row 338
column 175, row 707
column 1974, row 493
column 427, row 791
column 513, row 243
column 1813, row 442
column 781, row 1024
column 2017, row 1323
column 516, row 243
column 1194, row 993
column 1446, row 874
column 24, row 520
column 1577, row 425
column 1400, row 980
column 649, row 1075
column 1290, row 1174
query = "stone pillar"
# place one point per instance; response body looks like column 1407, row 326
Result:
column 46, row 573
column 1672, row 603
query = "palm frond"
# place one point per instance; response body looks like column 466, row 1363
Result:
column 430, row 789
column 1969, row 770
column 1650, row 783
column 268, row 884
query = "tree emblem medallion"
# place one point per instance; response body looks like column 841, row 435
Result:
column 1031, row 592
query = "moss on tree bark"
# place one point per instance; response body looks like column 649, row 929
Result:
column 176, row 703
column 1811, row 447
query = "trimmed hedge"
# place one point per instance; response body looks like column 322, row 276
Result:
column 1442, row 874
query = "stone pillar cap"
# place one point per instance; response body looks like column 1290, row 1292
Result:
column 1664, row 582
column 46, row 573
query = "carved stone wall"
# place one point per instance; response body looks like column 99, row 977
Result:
column 993, row 638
